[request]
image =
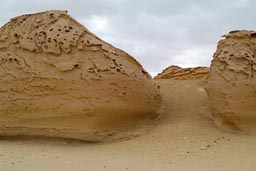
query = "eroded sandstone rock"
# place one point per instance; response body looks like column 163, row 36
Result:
column 179, row 73
column 59, row 80
column 231, row 84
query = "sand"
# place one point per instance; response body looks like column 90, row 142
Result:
column 184, row 139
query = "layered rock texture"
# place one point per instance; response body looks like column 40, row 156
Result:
column 178, row 73
column 59, row 80
column 231, row 84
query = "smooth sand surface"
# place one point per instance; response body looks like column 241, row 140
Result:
column 183, row 140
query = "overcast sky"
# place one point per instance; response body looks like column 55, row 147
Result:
column 158, row 33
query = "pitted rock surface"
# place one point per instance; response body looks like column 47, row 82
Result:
column 231, row 84
column 57, row 79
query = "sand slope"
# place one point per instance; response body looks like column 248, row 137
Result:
column 183, row 140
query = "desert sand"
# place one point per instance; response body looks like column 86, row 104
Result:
column 182, row 139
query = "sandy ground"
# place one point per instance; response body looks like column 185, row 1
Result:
column 184, row 140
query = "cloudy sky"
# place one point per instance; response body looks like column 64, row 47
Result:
column 158, row 33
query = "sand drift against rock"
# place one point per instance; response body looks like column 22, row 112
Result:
column 57, row 79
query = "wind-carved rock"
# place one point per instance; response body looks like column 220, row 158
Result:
column 59, row 80
column 231, row 84
column 177, row 73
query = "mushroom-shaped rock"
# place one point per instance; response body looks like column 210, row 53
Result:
column 57, row 79
column 231, row 84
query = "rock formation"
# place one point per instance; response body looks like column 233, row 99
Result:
column 59, row 80
column 231, row 84
column 178, row 73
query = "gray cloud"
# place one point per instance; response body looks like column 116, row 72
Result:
column 158, row 33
